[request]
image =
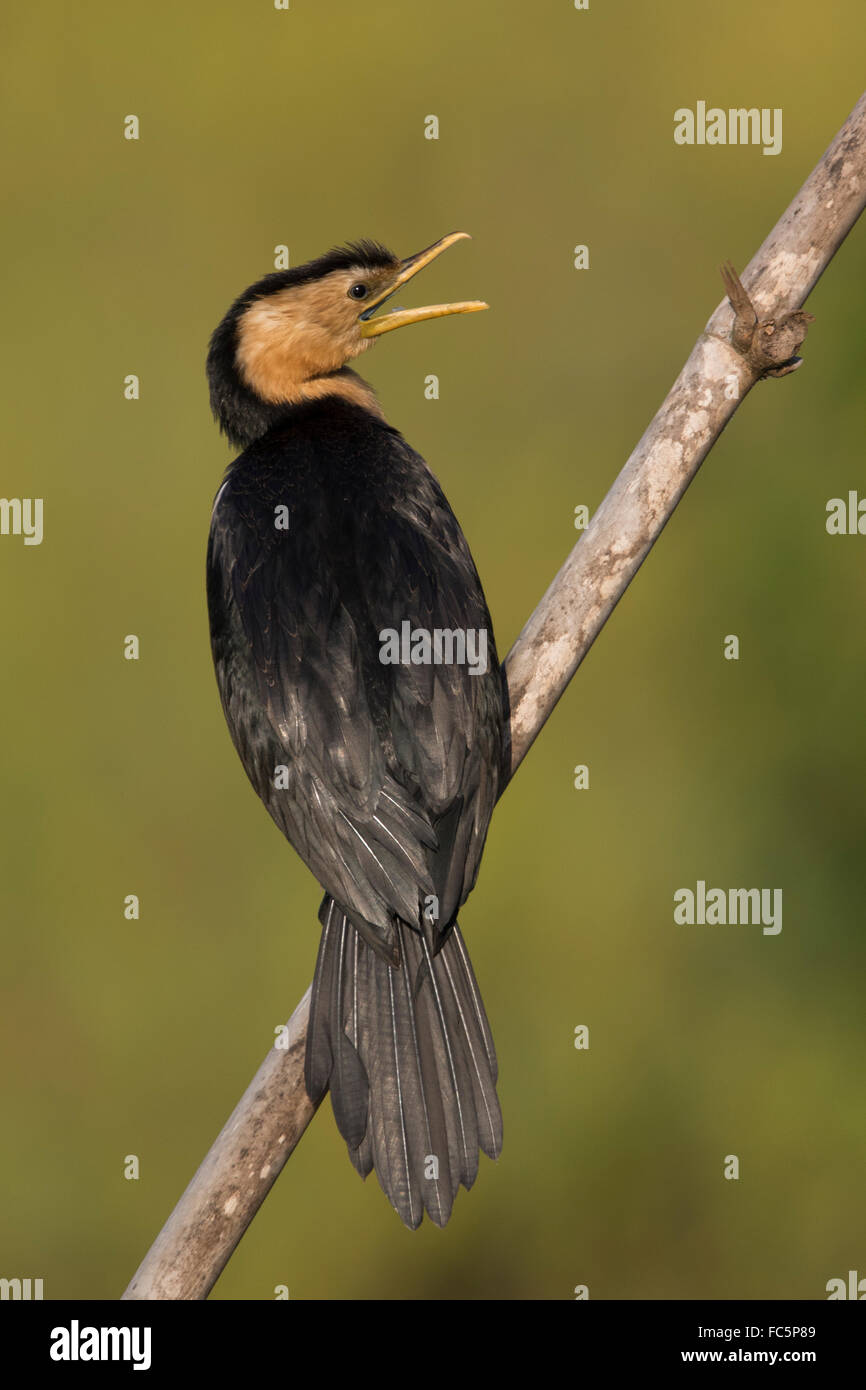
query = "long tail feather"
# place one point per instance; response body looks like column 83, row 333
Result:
column 409, row 1058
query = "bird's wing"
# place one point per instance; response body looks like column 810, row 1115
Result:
column 445, row 717
column 383, row 777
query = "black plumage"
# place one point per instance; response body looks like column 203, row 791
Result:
column 328, row 530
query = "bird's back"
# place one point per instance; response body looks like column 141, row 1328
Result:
column 328, row 533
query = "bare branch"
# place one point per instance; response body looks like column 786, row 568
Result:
column 238, row 1172
column 711, row 385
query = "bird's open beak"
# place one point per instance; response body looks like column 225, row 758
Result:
column 371, row 328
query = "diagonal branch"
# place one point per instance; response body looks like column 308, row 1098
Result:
column 199, row 1237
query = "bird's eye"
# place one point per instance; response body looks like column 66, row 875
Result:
column 358, row 291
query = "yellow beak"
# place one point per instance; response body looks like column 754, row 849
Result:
column 371, row 328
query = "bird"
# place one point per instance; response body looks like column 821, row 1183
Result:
column 344, row 605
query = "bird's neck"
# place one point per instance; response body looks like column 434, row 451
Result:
column 343, row 383
column 279, row 373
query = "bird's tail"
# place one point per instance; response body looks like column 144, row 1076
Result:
column 408, row 1056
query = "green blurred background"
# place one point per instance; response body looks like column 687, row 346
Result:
column 306, row 127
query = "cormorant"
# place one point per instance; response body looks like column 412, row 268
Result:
column 358, row 674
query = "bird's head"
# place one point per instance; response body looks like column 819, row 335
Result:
column 287, row 338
